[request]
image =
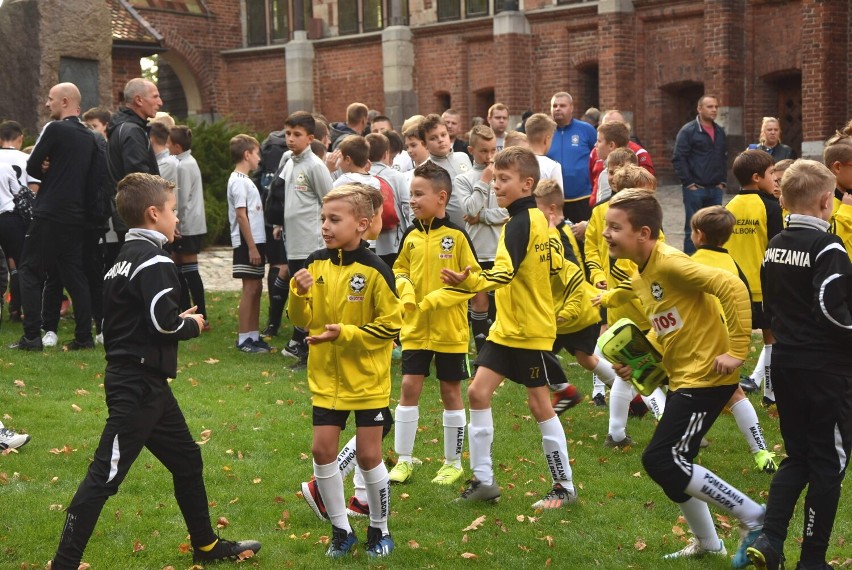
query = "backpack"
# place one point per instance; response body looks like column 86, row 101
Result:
column 271, row 150
column 100, row 190
column 390, row 219
column 273, row 201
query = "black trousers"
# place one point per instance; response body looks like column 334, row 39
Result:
column 690, row 412
column 93, row 267
column 143, row 412
column 815, row 411
column 53, row 247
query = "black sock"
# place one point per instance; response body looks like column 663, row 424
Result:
column 15, row 291
column 479, row 325
column 196, row 287
column 278, row 294
column 185, row 301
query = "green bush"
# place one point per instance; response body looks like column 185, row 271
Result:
column 210, row 149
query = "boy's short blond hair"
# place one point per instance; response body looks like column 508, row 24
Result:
column 804, row 182
column 838, row 148
column 549, row 192
column 538, row 127
column 139, row 191
column 373, row 193
column 641, row 207
column 632, row 176
column 783, row 165
column 410, row 123
column 239, row 145
column 521, row 160
column 716, row 223
column 514, row 138
column 480, row 133
column 355, row 196
column 615, row 132
column 621, row 156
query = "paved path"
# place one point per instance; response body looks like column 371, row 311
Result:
column 215, row 262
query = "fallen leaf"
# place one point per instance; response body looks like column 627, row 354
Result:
column 677, row 531
column 76, row 408
column 256, row 480
column 520, row 518
column 640, row 545
column 637, row 474
column 184, row 548
column 524, row 548
column 168, row 567
column 81, row 392
column 20, row 384
column 245, row 554
column 205, row 435
column 212, row 361
column 548, row 539
column 55, row 507
column 137, row 546
column 54, row 480
column 404, row 495
column 475, row 524
column 502, row 526
column 413, row 544
column 469, row 555
column 222, row 522
column 84, row 566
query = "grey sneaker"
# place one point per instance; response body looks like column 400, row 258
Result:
column 478, row 491
column 626, row 442
column 9, row 439
column 695, row 550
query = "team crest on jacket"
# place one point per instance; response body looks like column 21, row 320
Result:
column 447, row 245
column 657, row 291
column 357, row 284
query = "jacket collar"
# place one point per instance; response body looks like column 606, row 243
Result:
column 809, row 222
column 713, row 248
column 145, row 234
column 521, row 204
column 343, row 257
column 297, row 158
column 431, row 224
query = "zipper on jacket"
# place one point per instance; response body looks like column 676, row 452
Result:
column 335, row 320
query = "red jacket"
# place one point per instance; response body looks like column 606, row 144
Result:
column 596, row 166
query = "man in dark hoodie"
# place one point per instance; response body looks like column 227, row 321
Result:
column 129, row 148
column 356, row 122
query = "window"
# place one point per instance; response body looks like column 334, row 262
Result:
column 268, row 21
column 347, row 16
column 452, row 9
column 476, row 8
column 374, row 15
column 448, row 10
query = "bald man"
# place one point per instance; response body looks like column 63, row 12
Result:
column 54, row 240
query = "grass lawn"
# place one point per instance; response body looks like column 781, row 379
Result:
column 257, row 451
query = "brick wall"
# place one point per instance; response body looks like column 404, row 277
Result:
column 345, row 72
column 125, row 66
column 257, row 89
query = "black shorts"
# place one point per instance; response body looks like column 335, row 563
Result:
column 243, row 269
column 363, row 418
column 531, row 368
column 275, row 254
column 583, row 340
column 758, row 317
column 187, row 244
column 449, row 367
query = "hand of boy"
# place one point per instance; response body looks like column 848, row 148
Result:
column 277, row 232
column 579, row 230
column 254, row 256
column 331, row 333
column 332, row 159
column 487, row 174
column 847, row 198
column 472, row 220
column 726, row 364
column 199, row 319
column 304, row 280
column 624, row 372
column 601, row 284
column 596, row 301
column 451, row 277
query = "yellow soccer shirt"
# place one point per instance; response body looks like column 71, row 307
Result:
column 759, row 219
column 678, row 296
column 572, row 296
column 841, row 221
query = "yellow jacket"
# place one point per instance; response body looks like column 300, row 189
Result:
column 572, row 296
column 354, row 289
column 841, row 221
column 759, row 219
column 521, row 277
column 678, row 296
column 426, row 249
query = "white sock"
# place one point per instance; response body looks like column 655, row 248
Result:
column 760, row 368
column 243, row 337
column 405, row 431
column 558, row 387
column 346, row 458
column 768, row 390
column 749, row 425
column 331, row 488
column 619, row 401
column 255, row 335
column 454, row 424
column 700, row 521
column 360, row 486
column 378, row 495
column 603, row 374
column 656, row 403
column 556, row 451
column 706, row 486
column 480, row 437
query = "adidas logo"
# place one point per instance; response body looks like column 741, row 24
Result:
column 410, row 246
column 379, row 417
column 320, row 280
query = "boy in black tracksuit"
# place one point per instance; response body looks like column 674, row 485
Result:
column 806, row 277
column 142, row 327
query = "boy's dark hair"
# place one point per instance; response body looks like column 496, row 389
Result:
column 616, row 132
column 382, row 119
column 320, row 128
column 318, row 148
column 520, row 159
column 139, row 191
column 10, row 130
column 430, row 122
column 239, row 145
column 749, row 163
column 716, row 222
column 395, row 142
column 159, row 132
column 101, row 114
column 355, row 113
column 641, row 207
column 181, row 135
column 356, row 148
column 379, row 146
column 437, row 176
column 303, row 120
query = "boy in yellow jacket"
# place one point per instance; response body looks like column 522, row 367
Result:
column 432, row 243
column 346, row 299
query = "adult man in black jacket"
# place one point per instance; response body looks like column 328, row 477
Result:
column 54, row 239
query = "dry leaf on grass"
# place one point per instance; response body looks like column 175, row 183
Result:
column 413, row 544
column 76, row 408
column 137, row 546
column 20, row 384
column 212, row 361
column 469, row 555
column 640, row 545
column 222, row 522
column 475, row 524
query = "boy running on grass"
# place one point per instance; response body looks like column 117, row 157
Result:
column 519, row 342
column 701, row 358
column 142, row 327
column 345, row 299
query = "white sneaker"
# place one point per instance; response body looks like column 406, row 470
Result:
column 99, row 338
column 695, row 550
column 49, row 339
column 11, row 440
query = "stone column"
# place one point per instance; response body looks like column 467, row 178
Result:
column 398, row 73
column 617, row 57
column 299, row 54
column 825, row 47
column 513, row 43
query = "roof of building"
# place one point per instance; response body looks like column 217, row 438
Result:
column 185, row 6
column 128, row 26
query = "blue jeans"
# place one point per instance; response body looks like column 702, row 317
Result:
column 694, row 200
